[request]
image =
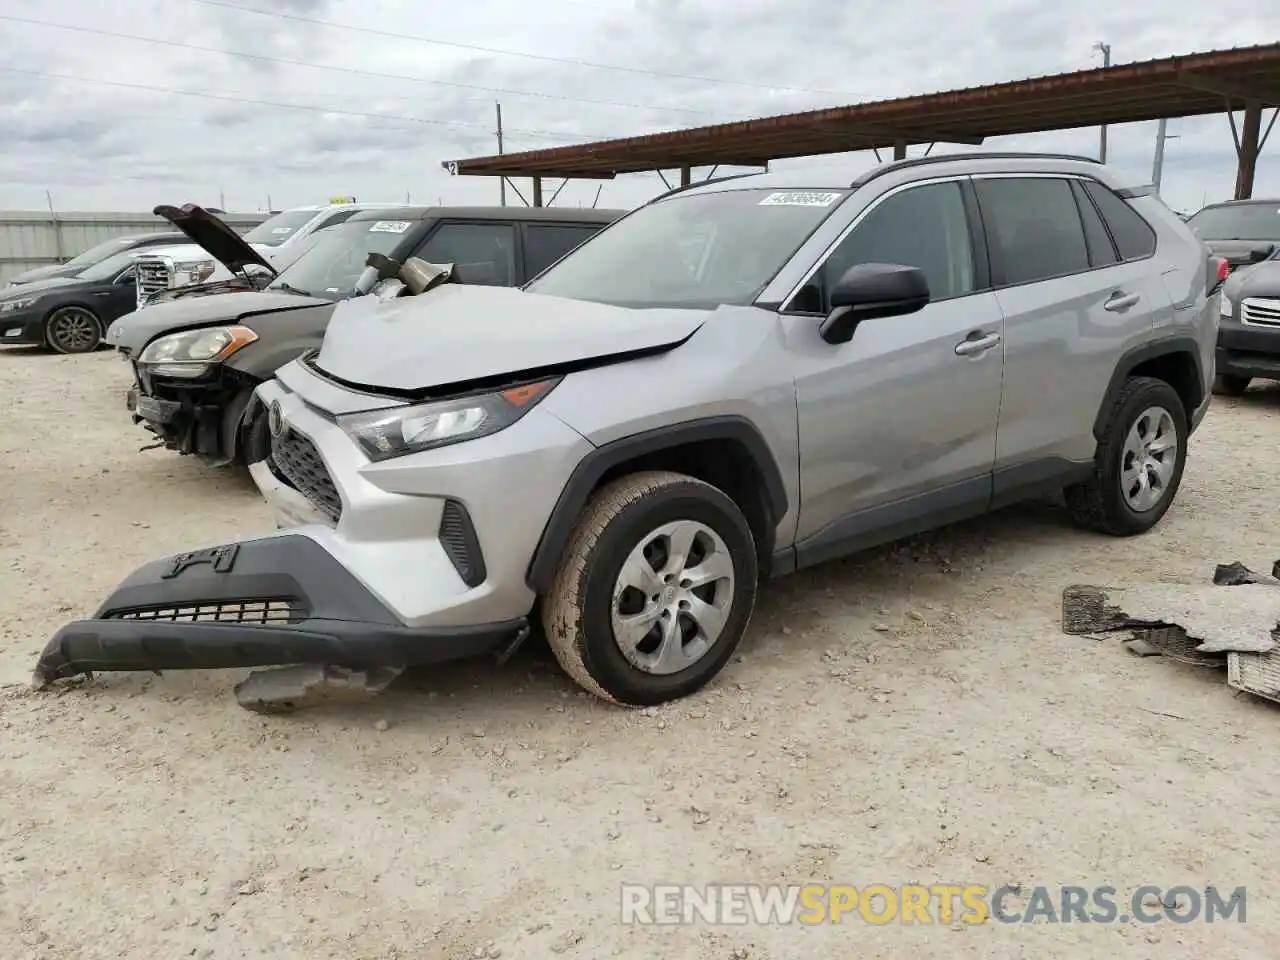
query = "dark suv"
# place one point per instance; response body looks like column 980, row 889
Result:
column 198, row 360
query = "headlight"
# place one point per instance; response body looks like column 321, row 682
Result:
column 1227, row 309
column 189, row 273
column 189, row 353
column 384, row 434
column 8, row 306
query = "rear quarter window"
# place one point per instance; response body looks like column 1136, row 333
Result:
column 1133, row 235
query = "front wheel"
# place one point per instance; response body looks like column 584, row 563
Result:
column 1139, row 462
column 654, row 591
column 73, row 330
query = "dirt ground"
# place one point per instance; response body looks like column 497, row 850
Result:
column 912, row 716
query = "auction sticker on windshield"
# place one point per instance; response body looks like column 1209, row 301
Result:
column 389, row 226
column 800, row 198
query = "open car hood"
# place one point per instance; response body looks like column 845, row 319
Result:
column 456, row 334
column 224, row 244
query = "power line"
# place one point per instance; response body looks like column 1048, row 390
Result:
column 476, row 48
column 295, row 106
column 262, row 58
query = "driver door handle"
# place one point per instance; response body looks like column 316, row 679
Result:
column 976, row 344
column 1121, row 301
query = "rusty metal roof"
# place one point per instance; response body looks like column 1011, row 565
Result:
column 1184, row 86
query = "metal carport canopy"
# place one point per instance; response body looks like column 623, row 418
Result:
column 1219, row 81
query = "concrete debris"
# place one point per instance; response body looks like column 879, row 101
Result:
column 1193, row 624
column 1241, row 619
column 285, row 689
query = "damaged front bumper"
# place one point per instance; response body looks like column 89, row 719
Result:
column 276, row 601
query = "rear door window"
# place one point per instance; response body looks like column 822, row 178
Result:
column 1134, row 237
column 1033, row 228
column 481, row 252
column 1102, row 252
column 545, row 243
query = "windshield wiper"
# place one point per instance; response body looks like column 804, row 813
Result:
column 290, row 288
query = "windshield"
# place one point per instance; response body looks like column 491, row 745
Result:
column 100, row 252
column 1245, row 221
column 331, row 265
column 276, row 230
column 698, row 250
column 108, row 268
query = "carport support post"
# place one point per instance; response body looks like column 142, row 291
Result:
column 899, row 149
column 1247, row 153
column 686, row 174
column 537, row 191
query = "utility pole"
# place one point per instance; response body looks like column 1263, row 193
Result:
column 1157, row 165
column 502, row 181
column 1105, row 49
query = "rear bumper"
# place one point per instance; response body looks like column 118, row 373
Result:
column 272, row 602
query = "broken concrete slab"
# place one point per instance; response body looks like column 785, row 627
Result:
column 1242, row 619
column 285, row 689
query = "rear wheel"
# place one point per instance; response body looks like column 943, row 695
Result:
column 73, row 330
column 655, row 590
column 1229, row 386
column 1139, row 462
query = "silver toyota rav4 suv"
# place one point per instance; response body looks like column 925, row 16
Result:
column 736, row 380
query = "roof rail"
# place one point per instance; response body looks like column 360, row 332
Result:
column 703, row 183
column 893, row 165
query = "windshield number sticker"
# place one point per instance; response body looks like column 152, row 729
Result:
column 282, row 229
column 800, row 198
column 389, row 226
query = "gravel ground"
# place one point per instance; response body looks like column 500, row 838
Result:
column 913, row 715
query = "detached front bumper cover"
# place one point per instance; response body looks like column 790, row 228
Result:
column 272, row 602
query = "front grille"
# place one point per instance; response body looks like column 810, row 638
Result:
column 1260, row 312
column 299, row 464
column 262, row 612
column 458, row 537
column 154, row 274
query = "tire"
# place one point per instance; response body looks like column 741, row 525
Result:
column 1229, row 386
column 616, row 524
column 1106, row 502
column 73, row 330
column 255, row 441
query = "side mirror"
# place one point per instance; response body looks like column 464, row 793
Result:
column 871, row 290
column 126, row 276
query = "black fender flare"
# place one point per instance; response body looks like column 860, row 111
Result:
column 586, row 475
column 1132, row 359
column 234, row 419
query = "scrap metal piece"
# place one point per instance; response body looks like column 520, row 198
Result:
column 285, row 689
column 1236, row 574
column 1087, row 609
column 1173, row 642
column 1255, row 673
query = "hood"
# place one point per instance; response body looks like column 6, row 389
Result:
column 38, row 286
column 1259, row 280
column 135, row 330
column 1239, row 253
column 43, row 273
column 457, row 333
column 224, row 244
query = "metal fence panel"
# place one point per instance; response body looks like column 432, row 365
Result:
column 36, row 238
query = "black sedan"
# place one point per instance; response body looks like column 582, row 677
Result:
column 69, row 314
column 1249, row 329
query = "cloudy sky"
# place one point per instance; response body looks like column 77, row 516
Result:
column 132, row 103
